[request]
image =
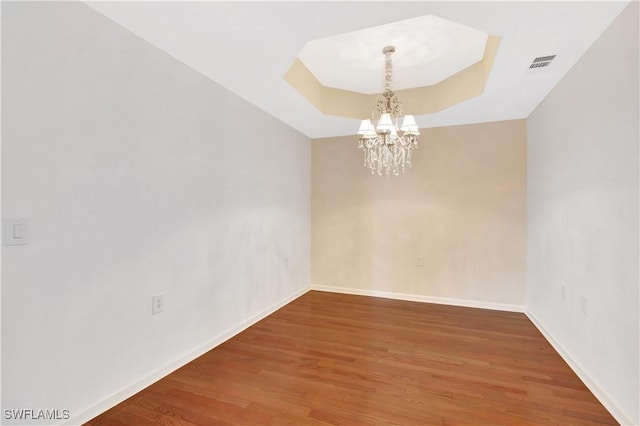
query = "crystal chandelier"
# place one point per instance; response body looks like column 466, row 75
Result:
column 387, row 148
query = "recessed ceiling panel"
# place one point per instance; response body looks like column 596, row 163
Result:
column 428, row 50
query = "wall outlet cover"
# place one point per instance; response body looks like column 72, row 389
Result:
column 157, row 304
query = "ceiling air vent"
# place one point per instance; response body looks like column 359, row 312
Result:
column 541, row 62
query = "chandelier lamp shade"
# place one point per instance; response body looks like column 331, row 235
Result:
column 387, row 146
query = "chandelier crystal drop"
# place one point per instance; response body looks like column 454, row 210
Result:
column 387, row 147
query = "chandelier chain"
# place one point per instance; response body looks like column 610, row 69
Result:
column 388, row 70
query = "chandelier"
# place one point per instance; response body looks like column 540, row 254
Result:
column 387, row 147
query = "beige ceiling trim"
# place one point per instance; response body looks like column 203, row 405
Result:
column 457, row 88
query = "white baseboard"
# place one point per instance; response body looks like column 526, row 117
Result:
column 419, row 298
column 593, row 386
column 154, row 376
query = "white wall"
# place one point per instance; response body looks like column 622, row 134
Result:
column 140, row 176
column 583, row 217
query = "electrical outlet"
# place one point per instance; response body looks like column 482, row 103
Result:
column 563, row 291
column 286, row 263
column 420, row 261
column 583, row 305
column 157, row 304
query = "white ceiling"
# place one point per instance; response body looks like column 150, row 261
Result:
column 248, row 46
column 428, row 50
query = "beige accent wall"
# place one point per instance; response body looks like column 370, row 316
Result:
column 461, row 210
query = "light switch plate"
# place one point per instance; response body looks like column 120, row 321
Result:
column 16, row 231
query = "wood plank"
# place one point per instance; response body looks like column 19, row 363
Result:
column 337, row 359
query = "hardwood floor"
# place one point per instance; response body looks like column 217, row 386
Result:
column 335, row 359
